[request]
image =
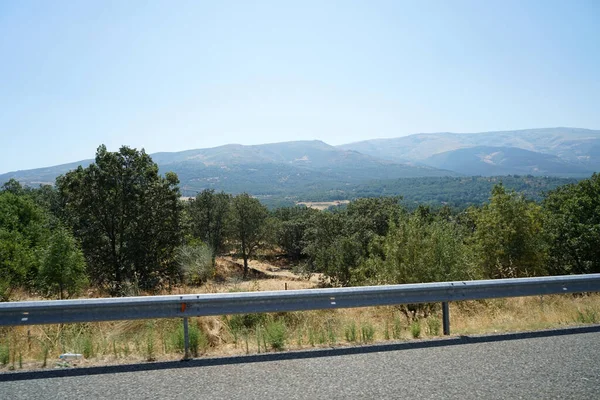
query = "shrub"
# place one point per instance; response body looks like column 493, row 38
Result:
column 195, row 263
column 433, row 325
column 197, row 337
column 350, row 332
column 275, row 334
column 587, row 316
column 415, row 329
column 367, row 332
column 397, row 328
column 4, row 354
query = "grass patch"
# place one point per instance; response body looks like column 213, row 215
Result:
column 587, row 316
column 433, row 326
column 350, row 332
column 367, row 332
column 4, row 354
column 415, row 329
column 275, row 334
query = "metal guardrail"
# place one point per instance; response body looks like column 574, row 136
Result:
column 185, row 306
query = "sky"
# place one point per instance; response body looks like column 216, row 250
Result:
column 177, row 75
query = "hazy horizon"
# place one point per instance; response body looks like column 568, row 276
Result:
column 170, row 77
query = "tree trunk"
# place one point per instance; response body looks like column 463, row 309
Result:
column 245, row 266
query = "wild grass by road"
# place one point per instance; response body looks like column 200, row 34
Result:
column 31, row 347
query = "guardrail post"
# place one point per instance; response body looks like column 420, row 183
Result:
column 186, row 339
column 446, row 317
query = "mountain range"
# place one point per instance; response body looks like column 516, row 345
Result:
column 281, row 168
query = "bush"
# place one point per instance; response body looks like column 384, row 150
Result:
column 367, row 332
column 239, row 322
column 195, row 263
column 433, row 324
column 350, row 332
column 275, row 334
column 198, row 339
column 4, row 354
column 587, row 316
column 415, row 329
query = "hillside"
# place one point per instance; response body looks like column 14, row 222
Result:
column 572, row 145
column 493, row 161
column 262, row 169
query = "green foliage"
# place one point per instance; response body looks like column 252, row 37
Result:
column 4, row 354
column 290, row 228
column 126, row 216
column 418, row 248
column 276, row 334
column 240, row 322
column 86, row 346
column 508, row 239
column 433, row 325
column 198, row 340
column 336, row 243
column 415, row 329
column 208, row 213
column 573, row 226
column 397, row 328
column 24, row 234
column 62, row 273
column 350, row 332
column 367, row 332
column 195, row 263
column 247, row 223
column 587, row 316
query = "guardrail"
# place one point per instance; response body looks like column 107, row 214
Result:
column 185, row 306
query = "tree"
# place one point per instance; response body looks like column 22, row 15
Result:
column 126, row 216
column 573, row 225
column 208, row 216
column 23, row 236
column 508, row 239
column 248, row 216
column 62, row 272
column 337, row 243
column 291, row 224
column 13, row 186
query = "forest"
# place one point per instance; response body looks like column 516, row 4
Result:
column 121, row 227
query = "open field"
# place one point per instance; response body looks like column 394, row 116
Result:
column 322, row 205
column 148, row 340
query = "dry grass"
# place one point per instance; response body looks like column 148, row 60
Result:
column 139, row 341
column 322, row 205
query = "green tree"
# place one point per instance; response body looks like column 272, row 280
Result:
column 62, row 272
column 126, row 216
column 289, row 229
column 509, row 240
column 208, row 214
column 13, row 186
column 23, row 236
column 248, row 217
column 418, row 249
column 337, row 243
column 573, row 225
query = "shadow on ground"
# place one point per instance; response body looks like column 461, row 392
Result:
column 293, row 355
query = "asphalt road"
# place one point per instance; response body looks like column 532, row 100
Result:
column 557, row 364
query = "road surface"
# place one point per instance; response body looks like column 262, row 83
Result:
column 557, row 364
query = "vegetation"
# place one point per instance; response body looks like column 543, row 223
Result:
column 127, row 218
column 119, row 228
column 122, row 227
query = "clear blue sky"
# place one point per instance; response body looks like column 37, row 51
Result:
column 176, row 75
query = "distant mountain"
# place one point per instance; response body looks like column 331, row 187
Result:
column 494, row 161
column 572, row 145
column 282, row 169
column 262, row 169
